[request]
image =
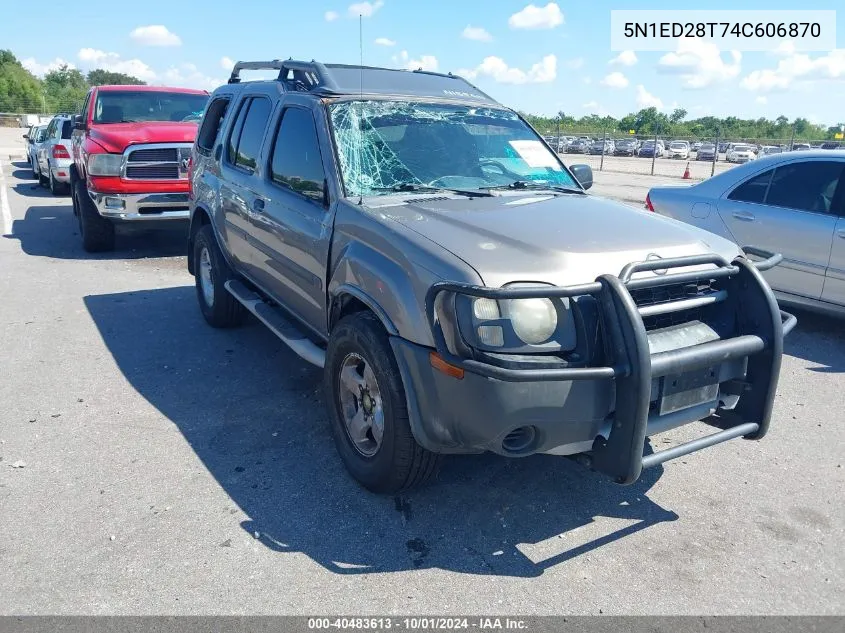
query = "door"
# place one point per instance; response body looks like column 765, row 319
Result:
column 46, row 147
column 239, row 166
column 834, row 283
column 294, row 229
column 788, row 210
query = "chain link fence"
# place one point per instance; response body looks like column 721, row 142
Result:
column 23, row 113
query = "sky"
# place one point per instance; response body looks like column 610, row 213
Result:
column 540, row 58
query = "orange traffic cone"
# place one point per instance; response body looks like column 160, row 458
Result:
column 686, row 173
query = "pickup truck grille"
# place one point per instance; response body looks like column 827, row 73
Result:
column 658, row 303
column 165, row 161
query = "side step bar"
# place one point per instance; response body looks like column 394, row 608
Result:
column 278, row 324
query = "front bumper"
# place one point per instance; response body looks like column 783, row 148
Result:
column 606, row 410
column 142, row 207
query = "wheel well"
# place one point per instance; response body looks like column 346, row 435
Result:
column 343, row 305
column 198, row 220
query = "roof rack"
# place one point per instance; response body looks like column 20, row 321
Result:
column 295, row 75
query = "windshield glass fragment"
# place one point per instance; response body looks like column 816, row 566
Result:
column 385, row 145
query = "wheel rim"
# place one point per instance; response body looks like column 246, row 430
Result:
column 361, row 405
column 206, row 277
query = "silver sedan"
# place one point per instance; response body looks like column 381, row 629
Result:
column 792, row 203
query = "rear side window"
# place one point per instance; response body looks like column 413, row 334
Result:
column 245, row 141
column 753, row 190
column 297, row 163
column 67, row 128
column 808, row 186
column 211, row 124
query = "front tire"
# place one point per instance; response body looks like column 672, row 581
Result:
column 368, row 410
column 218, row 306
column 97, row 232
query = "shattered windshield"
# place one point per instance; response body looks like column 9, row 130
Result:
column 385, row 146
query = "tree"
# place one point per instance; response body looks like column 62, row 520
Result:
column 65, row 89
column 20, row 90
column 100, row 77
column 678, row 115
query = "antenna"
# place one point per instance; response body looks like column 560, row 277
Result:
column 361, row 102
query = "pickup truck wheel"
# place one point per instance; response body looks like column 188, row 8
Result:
column 368, row 410
column 218, row 306
column 97, row 232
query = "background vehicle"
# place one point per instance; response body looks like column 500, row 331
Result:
column 800, row 147
column 723, row 147
column 696, row 146
column 578, row 146
column 375, row 229
column 678, row 149
column 648, row 149
column 831, row 145
column 601, row 147
column 770, row 149
column 34, row 137
column 707, row 151
column 53, row 154
column 740, row 153
column 626, row 147
column 131, row 153
column 788, row 202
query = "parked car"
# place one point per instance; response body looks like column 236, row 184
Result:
column 696, row 146
column 723, row 147
column 601, row 147
column 678, row 149
column 626, row 147
column 395, row 255
column 740, row 153
column 800, row 147
column 53, row 154
column 648, row 149
column 770, row 149
column 578, row 146
column 708, row 152
column 831, row 145
column 785, row 202
column 34, row 137
column 131, row 158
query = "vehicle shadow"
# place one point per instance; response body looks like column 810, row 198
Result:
column 817, row 338
column 52, row 231
column 253, row 412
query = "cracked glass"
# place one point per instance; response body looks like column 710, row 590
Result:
column 387, row 146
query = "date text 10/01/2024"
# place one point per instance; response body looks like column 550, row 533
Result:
column 419, row 623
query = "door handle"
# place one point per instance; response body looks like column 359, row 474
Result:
column 258, row 205
column 745, row 216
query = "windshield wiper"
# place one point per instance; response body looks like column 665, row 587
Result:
column 529, row 184
column 412, row 186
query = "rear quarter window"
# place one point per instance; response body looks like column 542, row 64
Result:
column 212, row 123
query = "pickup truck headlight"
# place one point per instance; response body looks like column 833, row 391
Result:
column 105, row 164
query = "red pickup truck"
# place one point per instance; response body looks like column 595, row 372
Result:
column 131, row 149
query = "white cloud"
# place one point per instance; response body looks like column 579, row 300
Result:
column 189, row 76
column 227, row 63
column 155, row 35
column 761, row 100
column 534, row 17
column 383, row 41
column 425, row 62
column 591, row 105
column 786, row 47
column 797, row 67
column 699, row 63
column 625, row 58
column 647, row 100
column 476, row 33
column 401, row 59
column 365, row 9
column 574, row 64
column 615, row 80
column 39, row 70
column 331, row 16
column 93, row 58
column 543, row 71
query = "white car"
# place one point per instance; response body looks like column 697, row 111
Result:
column 34, row 138
column 54, row 159
column 740, row 153
column 678, row 149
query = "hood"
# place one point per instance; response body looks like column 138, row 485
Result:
column 116, row 137
column 564, row 239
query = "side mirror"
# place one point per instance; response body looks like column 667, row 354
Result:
column 26, row 136
column 584, row 175
column 78, row 122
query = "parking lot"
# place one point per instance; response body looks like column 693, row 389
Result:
column 152, row 465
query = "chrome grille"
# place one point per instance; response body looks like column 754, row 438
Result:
column 156, row 161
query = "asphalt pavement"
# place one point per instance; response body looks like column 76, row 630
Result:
column 152, row 465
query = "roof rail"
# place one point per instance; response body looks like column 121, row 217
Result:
column 235, row 77
column 294, row 75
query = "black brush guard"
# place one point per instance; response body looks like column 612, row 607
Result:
column 761, row 327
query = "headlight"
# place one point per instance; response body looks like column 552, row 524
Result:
column 534, row 320
column 105, row 164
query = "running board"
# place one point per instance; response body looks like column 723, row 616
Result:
column 291, row 336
